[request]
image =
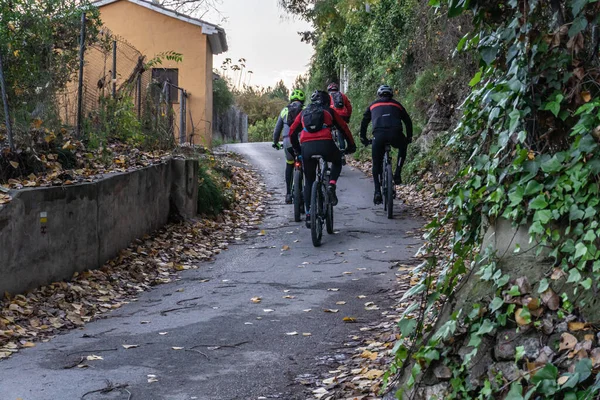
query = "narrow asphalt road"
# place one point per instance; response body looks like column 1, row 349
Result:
column 241, row 349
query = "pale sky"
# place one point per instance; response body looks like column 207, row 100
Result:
column 258, row 31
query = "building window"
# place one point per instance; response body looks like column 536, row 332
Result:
column 171, row 75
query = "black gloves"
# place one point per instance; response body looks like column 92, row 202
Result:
column 350, row 148
column 365, row 141
column 276, row 146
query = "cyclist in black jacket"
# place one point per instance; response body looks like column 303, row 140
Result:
column 387, row 115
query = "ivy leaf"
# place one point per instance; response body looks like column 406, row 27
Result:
column 496, row 304
column 407, row 326
column 434, row 3
column 543, row 285
column 543, row 216
column 476, row 79
column 553, row 107
column 549, row 372
column 463, row 41
column 516, row 195
column 515, row 393
column 552, row 165
column 580, row 250
column 587, row 144
column 578, row 25
column 538, row 203
column 486, row 327
column 577, row 6
column 488, row 54
column 584, row 369
column 533, row 187
column 574, row 276
column 519, row 352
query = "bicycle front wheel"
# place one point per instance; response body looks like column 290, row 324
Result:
column 389, row 193
column 316, row 214
column 297, row 197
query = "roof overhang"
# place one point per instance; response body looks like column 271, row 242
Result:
column 216, row 34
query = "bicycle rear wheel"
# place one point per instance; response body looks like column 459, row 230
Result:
column 328, row 215
column 297, row 195
column 316, row 214
column 389, row 193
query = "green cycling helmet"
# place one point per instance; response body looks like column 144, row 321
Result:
column 297, row 95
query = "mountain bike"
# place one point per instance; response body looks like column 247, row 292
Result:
column 321, row 212
column 388, row 188
column 297, row 185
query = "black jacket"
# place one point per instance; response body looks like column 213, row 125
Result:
column 386, row 114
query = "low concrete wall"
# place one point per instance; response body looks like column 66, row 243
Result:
column 47, row 234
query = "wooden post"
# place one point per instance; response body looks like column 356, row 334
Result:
column 11, row 142
column 114, row 70
column 182, row 114
column 80, row 84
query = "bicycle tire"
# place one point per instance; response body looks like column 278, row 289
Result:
column 297, row 195
column 389, row 195
column 329, row 215
column 316, row 220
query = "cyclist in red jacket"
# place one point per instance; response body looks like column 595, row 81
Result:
column 342, row 106
column 315, row 123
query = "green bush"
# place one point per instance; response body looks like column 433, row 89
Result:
column 211, row 198
column 262, row 131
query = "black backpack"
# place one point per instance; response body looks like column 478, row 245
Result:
column 338, row 99
column 313, row 118
column 293, row 110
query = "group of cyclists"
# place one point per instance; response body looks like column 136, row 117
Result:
column 312, row 130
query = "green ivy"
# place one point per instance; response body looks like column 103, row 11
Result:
column 530, row 128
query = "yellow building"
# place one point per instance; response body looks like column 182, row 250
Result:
column 153, row 29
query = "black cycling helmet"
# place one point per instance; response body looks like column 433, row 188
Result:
column 333, row 87
column 320, row 97
column 385, row 91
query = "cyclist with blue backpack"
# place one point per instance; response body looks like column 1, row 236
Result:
column 387, row 116
column 310, row 135
column 285, row 120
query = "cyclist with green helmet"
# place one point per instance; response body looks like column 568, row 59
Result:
column 285, row 120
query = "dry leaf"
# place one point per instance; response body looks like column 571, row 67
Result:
column 557, row 274
column 289, row 297
column 520, row 320
column 368, row 354
column 256, row 299
column 373, row 374
column 333, row 290
column 551, row 299
column 586, row 96
column 577, row 326
column 177, row 348
column 94, row 358
column 567, row 342
column 340, row 303
column 15, row 165
column 307, row 334
column 130, row 346
column 28, row 344
column 285, row 248
column 563, row 379
column 362, row 296
column 152, row 378
column 307, row 310
column 329, row 310
column 292, row 333
column 349, row 319
column 268, row 310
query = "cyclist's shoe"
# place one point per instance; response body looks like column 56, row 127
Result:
column 397, row 179
column 288, row 198
column 331, row 193
column 377, row 199
column 308, row 220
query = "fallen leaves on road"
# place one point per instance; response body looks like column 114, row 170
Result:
column 148, row 261
column 256, row 299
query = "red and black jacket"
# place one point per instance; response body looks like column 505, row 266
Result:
column 331, row 119
column 386, row 114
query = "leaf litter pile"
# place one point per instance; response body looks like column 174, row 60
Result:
column 152, row 260
column 64, row 160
